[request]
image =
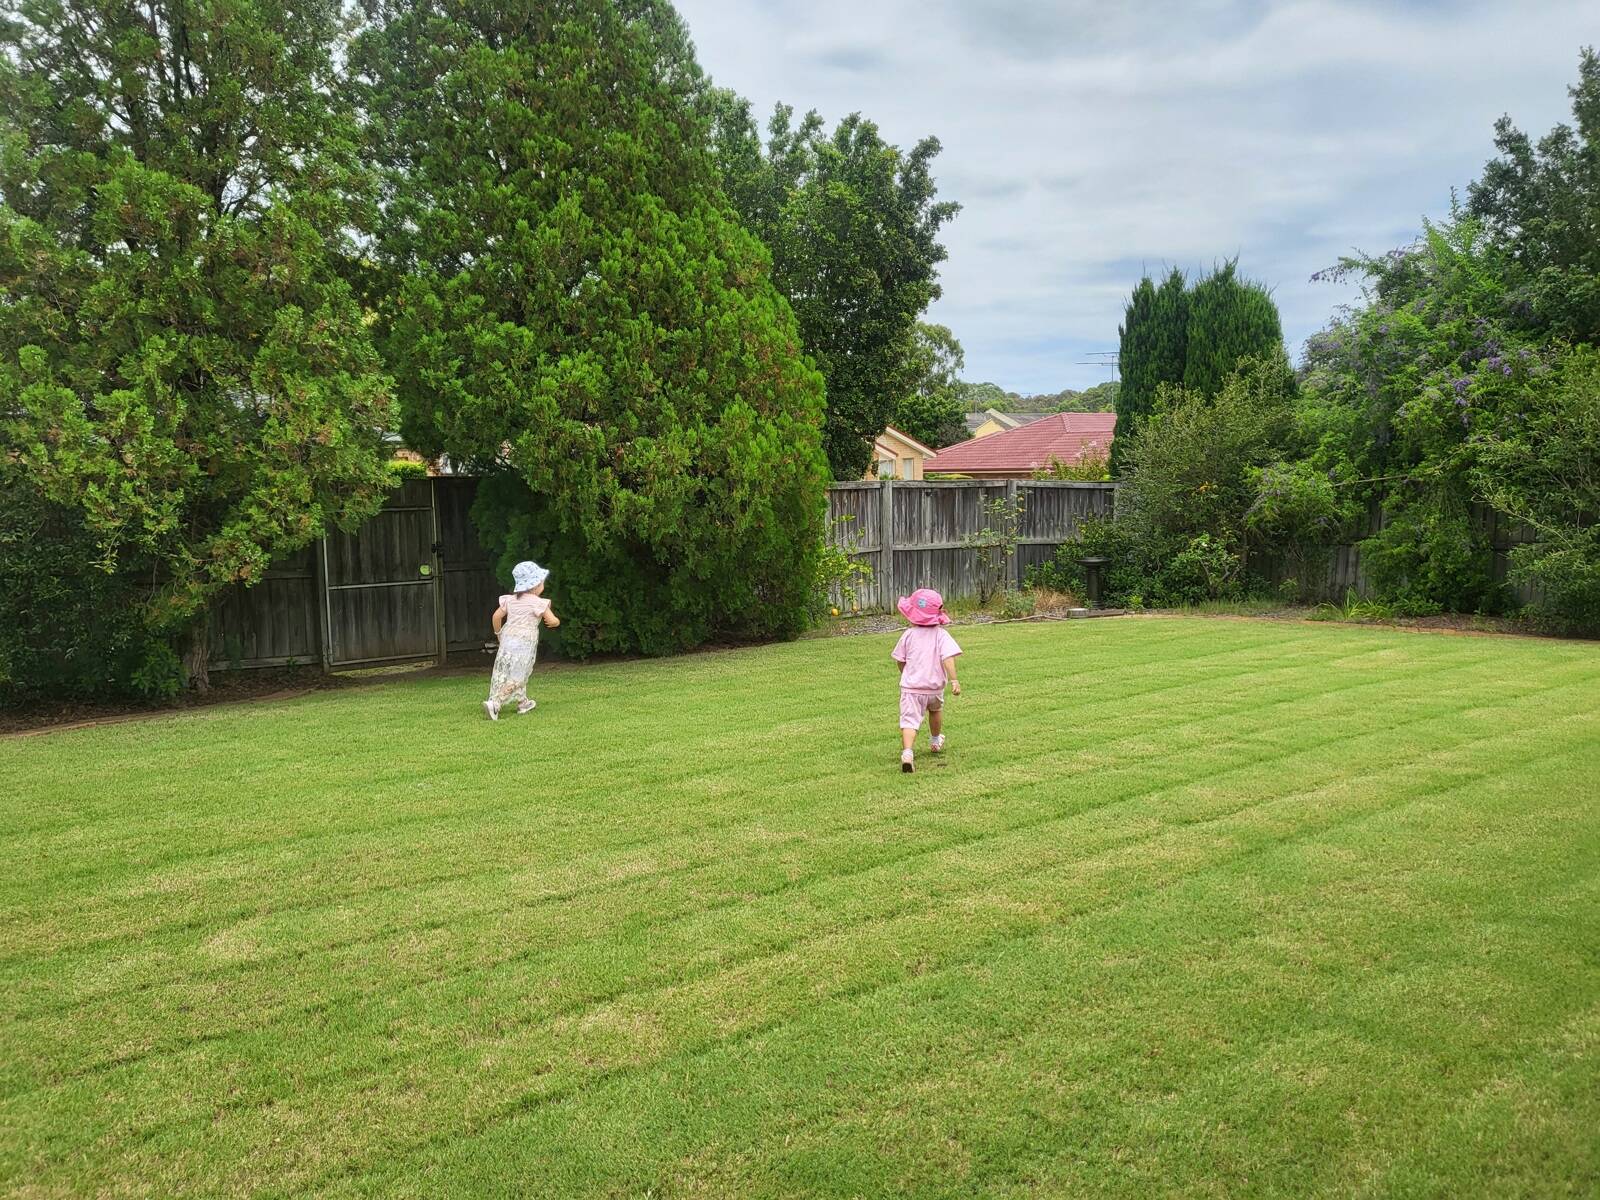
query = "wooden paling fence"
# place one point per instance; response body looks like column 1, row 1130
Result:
column 915, row 534
column 414, row 583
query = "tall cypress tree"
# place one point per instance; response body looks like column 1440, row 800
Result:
column 570, row 307
column 1229, row 318
column 1151, row 352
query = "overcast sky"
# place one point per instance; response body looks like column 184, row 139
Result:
column 1088, row 140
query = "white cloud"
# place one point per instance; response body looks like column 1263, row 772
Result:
column 1089, row 140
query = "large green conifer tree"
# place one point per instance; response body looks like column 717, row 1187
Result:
column 183, row 370
column 571, row 308
column 1154, row 339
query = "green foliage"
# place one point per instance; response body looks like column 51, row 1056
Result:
column 1544, row 473
column 1192, row 468
column 571, row 309
column 158, row 674
column 1017, row 603
column 1091, row 468
column 67, row 631
column 185, row 372
column 1187, row 510
column 852, row 224
column 1354, row 609
column 1151, row 352
column 1540, row 204
column 1125, row 573
column 1398, row 392
column 1230, row 319
column 1422, row 398
column 1194, row 336
column 996, row 543
column 932, row 412
column 1102, row 397
column 839, row 574
column 402, row 469
column 976, row 397
column 1300, row 514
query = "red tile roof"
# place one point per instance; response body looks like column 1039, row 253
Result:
column 1029, row 448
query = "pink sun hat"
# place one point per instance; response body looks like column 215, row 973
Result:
column 923, row 607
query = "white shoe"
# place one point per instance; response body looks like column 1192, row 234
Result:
column 493, row 709
column 527, row 706
column 937, row 744
column 908, row 761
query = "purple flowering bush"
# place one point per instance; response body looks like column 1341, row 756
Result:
column 1543, row 471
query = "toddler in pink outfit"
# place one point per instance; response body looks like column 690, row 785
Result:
column 927, row 656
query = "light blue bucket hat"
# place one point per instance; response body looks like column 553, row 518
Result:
column 526, row 576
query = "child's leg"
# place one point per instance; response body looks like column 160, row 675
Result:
column 936, row 720
column 910, row 719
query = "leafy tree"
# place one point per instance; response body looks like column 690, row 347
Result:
column 1229, row 319
column 186, row 374
column 1102, row 397
column 1398, row 389
column 1151, row 353
column 853, row 226
column 1540, row 203
column 933, row 412
column 976, row 397
column 571, row 308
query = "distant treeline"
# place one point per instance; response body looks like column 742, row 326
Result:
column 1102, row 397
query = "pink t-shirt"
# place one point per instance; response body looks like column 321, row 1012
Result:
column 923, row 649
column 522, row 614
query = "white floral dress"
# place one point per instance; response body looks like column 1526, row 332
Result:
column 519, row 647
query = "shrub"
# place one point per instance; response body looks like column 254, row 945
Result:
column 838, row 574
column 996, row 543
column 401, row 469
column 1542, row 475
column 1206, row 569
column 1016, row 604
column 68, row 630
column 1091, row 468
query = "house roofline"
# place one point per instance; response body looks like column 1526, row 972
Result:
column 926, row 451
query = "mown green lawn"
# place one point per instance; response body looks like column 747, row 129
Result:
column 1193, row 908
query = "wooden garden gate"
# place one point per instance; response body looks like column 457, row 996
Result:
column 381, row 584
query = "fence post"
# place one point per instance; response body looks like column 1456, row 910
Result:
column 886, row 542
column 440, row 623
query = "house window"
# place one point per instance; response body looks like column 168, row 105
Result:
column 886, row 468
column 908, row 468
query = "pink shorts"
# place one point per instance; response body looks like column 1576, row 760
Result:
column 914, row 705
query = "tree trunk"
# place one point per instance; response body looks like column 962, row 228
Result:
column 194, row 658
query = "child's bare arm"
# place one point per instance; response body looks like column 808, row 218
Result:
column 550, row 619
column 950, row 674
column 498, row 619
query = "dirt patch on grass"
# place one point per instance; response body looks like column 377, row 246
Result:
column 232, row 688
